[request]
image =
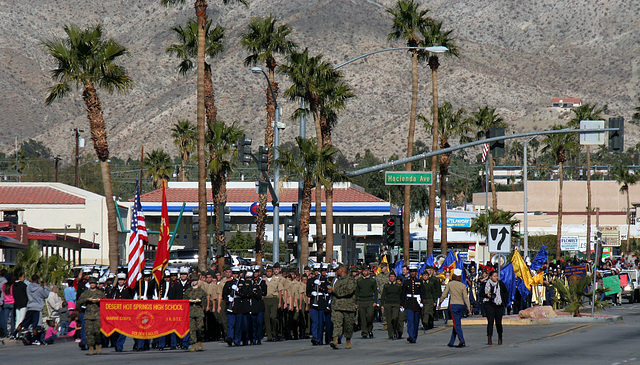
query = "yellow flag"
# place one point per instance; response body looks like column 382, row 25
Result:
column 384, row 260
column 521, row 269
column 538, row 279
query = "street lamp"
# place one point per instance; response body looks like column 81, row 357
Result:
column 276, row 174
column 524, row 187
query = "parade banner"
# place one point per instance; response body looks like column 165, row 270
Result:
column 144, row 319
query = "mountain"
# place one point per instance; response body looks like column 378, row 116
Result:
column 516, row 56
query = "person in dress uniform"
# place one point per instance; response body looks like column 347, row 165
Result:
column 318, row 293
column 176, row 292
column 230, row 295
column 414, row 295
column 258, row 290
column 120, row 291
column 163, row 294
column 146, row 289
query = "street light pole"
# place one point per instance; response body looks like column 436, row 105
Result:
column 77, row 132
column 276, row 174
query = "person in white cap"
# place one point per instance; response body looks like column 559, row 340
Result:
column 458, row 302
column 414, row 295
column 146, row 289
column 177, row 291
column 120, row 291
column 163, row 294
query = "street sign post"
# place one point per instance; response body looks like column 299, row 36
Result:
column 592, row 138
column 408, row 178
column 499, row 238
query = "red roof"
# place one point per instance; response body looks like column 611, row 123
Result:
column 22, row 195
column 244, row 195
column 566, row 100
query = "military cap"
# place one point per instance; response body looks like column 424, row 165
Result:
column 457, row 272
column 384, row 264
column 167, row 272
column 306, row 268
column 146, row 272
column 235, row 269
column 95, row 275
column 429, row 267
column 93, row 280
column 195, row 277
column 413, row 267
column 331, row 274
column 354, row 269
column 122, row 276
column 86, row 270
column 184, row 270
column 102, row 280
column 174, row 271
column 111, row 276
column 317, row 265
column 276, row 265
column 269, row 267
column 325, row 267
column 249, row 274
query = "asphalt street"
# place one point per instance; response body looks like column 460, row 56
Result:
column 601, row 343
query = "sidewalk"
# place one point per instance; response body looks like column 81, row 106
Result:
column 563, row 318
column 11, row 343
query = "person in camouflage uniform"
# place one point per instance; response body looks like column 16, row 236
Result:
column 91, row 300
column 197, row 298
column 343, row 306
column 382, row 279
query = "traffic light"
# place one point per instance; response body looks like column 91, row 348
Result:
column 263, row 158
column 224, row 219
column 195, row 227
column 497, row 147
column 616, row 138
column 289, row 230
column 392, row 226
column 244, row 149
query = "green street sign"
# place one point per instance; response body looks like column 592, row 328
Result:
column 408, row 178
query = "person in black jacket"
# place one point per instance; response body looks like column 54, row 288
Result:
column 258, row 290
column 413, row 297
column 120, row 291
column 495, row 297
column 176, row 291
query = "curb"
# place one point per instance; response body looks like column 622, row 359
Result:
column 14, row 343
column 515, row 321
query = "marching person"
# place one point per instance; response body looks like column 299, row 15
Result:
column 382, row 279
column 197, row 299
column 434, row 290
column 177, row 290
column 390, row 303
column 343, row 307
column 120, row 291
column 258, row 289
column 271, row 304
column 318, row 293
column 414, row 295
column 495, row 297
column 458, row 302
column 367, row 298
column 90, row 299
column 211, row 288
column 232, row 299
column 146, row 289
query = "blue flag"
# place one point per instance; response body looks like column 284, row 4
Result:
column 522, row 288
column 449, row 261
column 398, row 267
column 427, row 261
column 540, row 259
column 508, row 277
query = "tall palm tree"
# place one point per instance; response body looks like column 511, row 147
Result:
column 184, row 137
column 625, row 178
column 480, row 224
column 201, row 13
column 484, row 119
column 265, row 40
column 409, row 21
column 636, row 115
column 85, row 59
column 453, row 124
column 310, row 165
column 435, row 36
column 305, row 71
column 158, row 164
column 586, row 112
column 220, row 141
column 557, row 145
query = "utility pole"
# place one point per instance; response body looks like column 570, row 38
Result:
column 77, row 132
column 56, row 161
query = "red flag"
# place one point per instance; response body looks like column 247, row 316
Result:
column 162, row 252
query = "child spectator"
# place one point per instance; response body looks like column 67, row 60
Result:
column 74, row 327
column 63, row 313
column 51, row 333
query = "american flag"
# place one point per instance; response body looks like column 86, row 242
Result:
column 485, row 151
column 136, row 241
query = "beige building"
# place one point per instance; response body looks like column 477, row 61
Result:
column 608, row 202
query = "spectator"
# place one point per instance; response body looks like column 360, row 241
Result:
column 51, row 333
column 54, row 302
column 7, row 316
column 21, row 298
column 74, row 327
column 70, row 295
column 37, row 295
column 64, row 318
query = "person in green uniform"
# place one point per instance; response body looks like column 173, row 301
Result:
column 343, row 307
column 91, row 300
column 366, row 299
column 197, row 298
column 390, row 302
column 382, row 279
column 434, row 290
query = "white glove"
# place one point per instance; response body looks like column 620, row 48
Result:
column 234, row 287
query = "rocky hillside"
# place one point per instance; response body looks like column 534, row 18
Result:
column 516, row 56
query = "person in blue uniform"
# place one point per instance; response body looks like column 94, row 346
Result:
column 230, row 295
column 318, row 293
column 414, row 295
column 146, row 289
column 177, row 290
column 258, row 291
column 120, row 291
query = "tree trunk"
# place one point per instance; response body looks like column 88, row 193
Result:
column 318, row 206
column 201, row 13
column 443, row 209
column 325, row 128
column 559, row 232
column 588, row 203
column 112, row 225
column 431, row 223
column 494, row 196
column 305, row 216
column 209, row 100
column 183, row 168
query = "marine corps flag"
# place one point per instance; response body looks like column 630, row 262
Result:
column 162, row 252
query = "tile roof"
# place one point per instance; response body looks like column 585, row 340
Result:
column 245, row 195
column 22, row 195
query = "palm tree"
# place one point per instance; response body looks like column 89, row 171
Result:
column 625, row 178
column 480, row 224
column 310, row 165
column 19, row 163
column 484, row 119
column 184, row 137
column 220, row 141
column 201, row 13
column 265, row 40
column 435, row 36
column 557, row 145
column 409, row 21
column 158, row 164
column 636, row 115
column 84, row 59
column 452, row 124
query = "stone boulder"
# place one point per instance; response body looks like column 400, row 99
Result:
column 538, row 312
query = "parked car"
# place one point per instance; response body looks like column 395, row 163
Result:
column 185, row 257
